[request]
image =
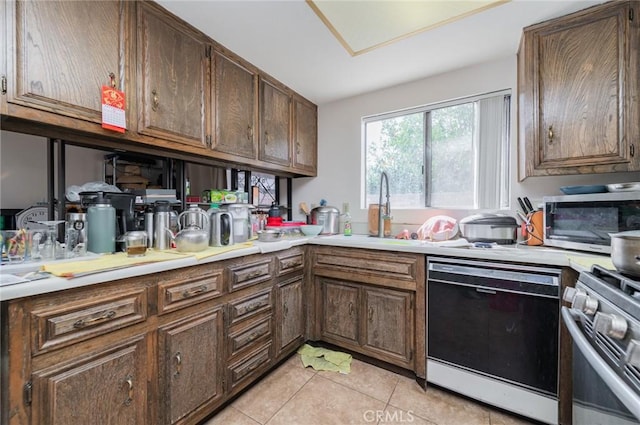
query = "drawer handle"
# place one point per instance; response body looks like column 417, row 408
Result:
column 291, row 264
column 81, row 323
column 200, row 289
column 112, row 80
column 350, row 309
column 371, row 314
column 251, row 307
column 253, row 367
column 155, row 102
column 249, row 132
column 253, row 275
column 253, row 336
column 285, row 310
column 178, row 358
column 550, row 134
column 129, row 381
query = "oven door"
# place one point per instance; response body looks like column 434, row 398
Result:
column 600, row 396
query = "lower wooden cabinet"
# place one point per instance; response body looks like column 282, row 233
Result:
column 371, row 302
column 107, row 387
column 377, row 322
column 189, row 366
column 290, row 321
column 340, row 311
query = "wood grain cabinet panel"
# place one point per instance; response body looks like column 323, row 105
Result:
column 188, row 287
column 57, row 65
column 250, row 305
column 340, row 311
column 275, row 123
column 578, row 79
column 290, row 320
column 289, row 261
column 250, row 273
column 305, row 136
column 235, row 106
column 249, row 366
column 189, row 366
column 389, row 323
column 173, row 78
column 106, row 387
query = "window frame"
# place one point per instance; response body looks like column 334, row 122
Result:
column 504, row 148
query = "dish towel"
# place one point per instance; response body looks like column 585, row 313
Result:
column 323, row 359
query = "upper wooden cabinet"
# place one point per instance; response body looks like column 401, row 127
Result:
column 56, row 64
column 236, row 107
column 275, row 123
column 305, row 136
column 173, row 78
column 578, row 83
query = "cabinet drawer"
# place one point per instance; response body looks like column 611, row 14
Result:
column 189, row 290
column 254, row 333
column 245, row 275
column 255, row 362
column 72, row 322
column 367, row 266
column 289, row 262
column 249, row 306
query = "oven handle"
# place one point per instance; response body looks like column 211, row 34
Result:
column 626, row 395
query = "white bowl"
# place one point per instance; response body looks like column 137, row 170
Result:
column 311, row 229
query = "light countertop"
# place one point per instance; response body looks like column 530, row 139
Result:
column 509, row 253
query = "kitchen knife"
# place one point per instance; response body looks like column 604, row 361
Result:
column 528, row 204
column 524, row 208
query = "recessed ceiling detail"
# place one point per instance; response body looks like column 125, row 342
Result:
column 363, row 25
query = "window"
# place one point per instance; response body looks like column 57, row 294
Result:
column 448, row 155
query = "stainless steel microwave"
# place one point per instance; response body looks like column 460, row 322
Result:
column 584, row 222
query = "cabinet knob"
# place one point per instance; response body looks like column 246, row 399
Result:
column 155, row 102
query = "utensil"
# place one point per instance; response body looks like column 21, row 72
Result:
column 523, row 206
column 304, row 208
column 528, row 204
column 625, row 248
column 624, row 187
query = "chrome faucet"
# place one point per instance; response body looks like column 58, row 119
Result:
column 387, row 205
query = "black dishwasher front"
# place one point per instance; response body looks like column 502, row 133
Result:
column 494, row 321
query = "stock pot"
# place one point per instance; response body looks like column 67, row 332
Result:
column 625, row 251
column 328, row 218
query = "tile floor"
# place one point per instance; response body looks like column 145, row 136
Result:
column 293, row 395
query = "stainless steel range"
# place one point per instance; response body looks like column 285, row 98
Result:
column 604, row 322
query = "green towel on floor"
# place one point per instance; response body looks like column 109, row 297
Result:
column 322, row 359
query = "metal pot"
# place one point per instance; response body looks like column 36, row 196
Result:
column 498, row 228
column 625, row 251
column 328, row 217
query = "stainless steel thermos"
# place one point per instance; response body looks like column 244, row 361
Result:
column 148, row 225
column 161, row 223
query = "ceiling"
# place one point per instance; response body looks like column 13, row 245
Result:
column 289, row 41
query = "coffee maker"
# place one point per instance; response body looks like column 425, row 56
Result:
column 122, row 202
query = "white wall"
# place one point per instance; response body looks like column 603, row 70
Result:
column 23, row 168
column 339, row 143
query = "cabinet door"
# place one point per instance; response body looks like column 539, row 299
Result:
column 340, row 311
column 190, row 354
column 235, row 108
column 291, row 323
column 108, row 388
column 305, row 137
column 275, row 120
column 577, row 78
column 388, row 324
column 173, row 78
column 58, row 64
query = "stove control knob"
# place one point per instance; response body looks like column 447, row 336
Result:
column 633, row 353
column 584, row 303
column 570, row 293
column 610, row 325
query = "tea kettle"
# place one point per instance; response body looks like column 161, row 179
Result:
column 192, row 238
